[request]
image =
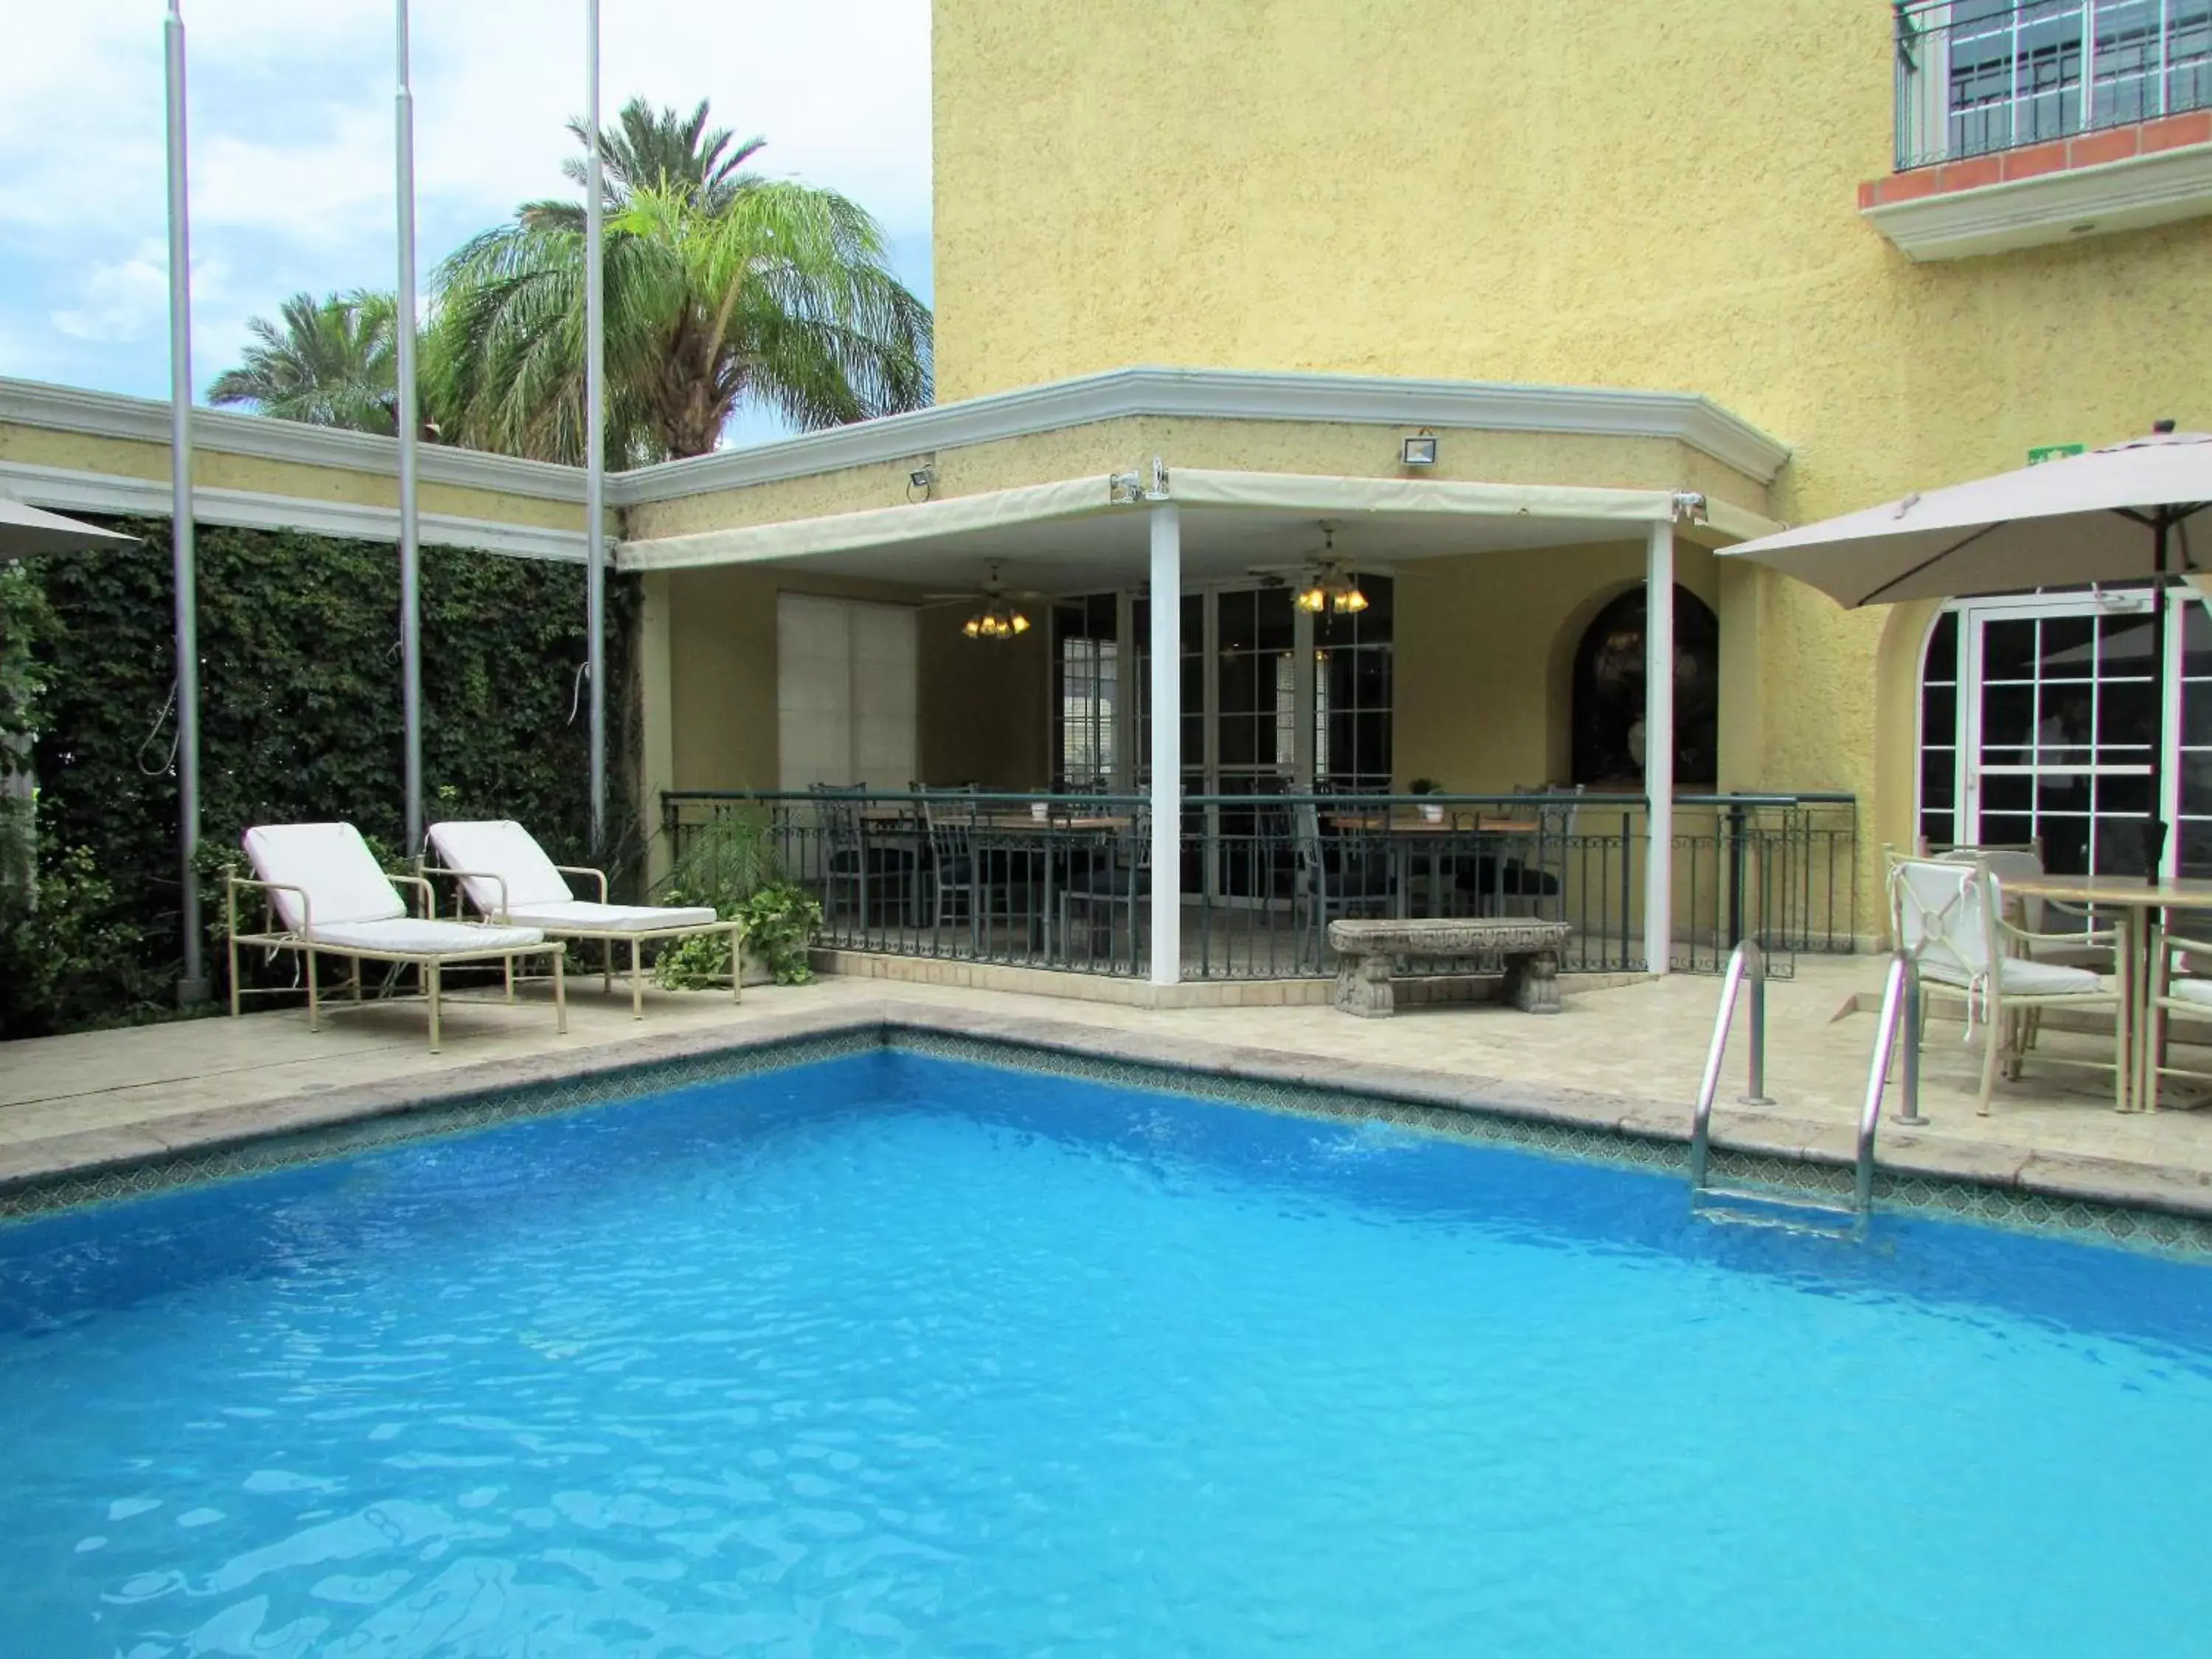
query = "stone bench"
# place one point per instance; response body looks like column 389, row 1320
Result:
column 1365, row 950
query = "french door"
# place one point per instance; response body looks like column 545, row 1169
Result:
column 2041, row 716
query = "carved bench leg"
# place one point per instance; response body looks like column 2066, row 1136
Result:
column 1362, row 987
column 1532, row 981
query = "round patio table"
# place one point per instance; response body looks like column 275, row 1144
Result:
column 2138, row 910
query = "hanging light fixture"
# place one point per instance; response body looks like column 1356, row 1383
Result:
column 1332, row 589
column 1329, row 586
column 996, row 616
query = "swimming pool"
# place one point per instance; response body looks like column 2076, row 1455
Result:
column 893, row 1353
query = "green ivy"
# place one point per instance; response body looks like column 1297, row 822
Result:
column 300, row 715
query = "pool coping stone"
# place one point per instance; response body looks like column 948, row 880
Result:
column 1761, row 1144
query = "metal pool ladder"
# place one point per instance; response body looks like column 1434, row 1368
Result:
column 1899, row 1008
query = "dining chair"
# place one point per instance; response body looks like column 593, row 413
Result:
column 1110, row 892
column 1338, row 873
column 1947, row 917
column 2174, row 989
column 956, row 874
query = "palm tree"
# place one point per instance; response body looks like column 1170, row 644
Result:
column 328, row 364
column 721, row 287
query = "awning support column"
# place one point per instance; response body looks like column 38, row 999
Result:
column 1659, row 745
column 1167, row 744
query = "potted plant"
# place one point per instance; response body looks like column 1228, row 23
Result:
column 1433, row 813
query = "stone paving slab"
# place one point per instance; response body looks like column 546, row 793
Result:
column 1625, row 1060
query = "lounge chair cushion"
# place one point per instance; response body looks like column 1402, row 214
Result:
column 332, row 864
column 2025, row 978
column 504, row 849
column 409, row 936
column 582, row 916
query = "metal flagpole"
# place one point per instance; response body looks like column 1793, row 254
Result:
column 408, row 424
column 192, row 988
column 595, row 459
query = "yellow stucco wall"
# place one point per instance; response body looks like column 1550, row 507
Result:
column 1482, row 698
column 709, row 656
column 1667, row 200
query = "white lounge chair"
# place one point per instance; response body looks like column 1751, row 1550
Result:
column 327, row 888
column 505, row 875
column 1948, row 916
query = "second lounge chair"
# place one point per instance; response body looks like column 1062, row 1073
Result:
column 505, row 875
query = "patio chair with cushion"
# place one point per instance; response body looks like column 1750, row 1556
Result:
column 1948, row 917
column 504, row 873
column 2176, row 988
column 325, row 886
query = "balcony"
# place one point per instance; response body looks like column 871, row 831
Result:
column 2028, row 122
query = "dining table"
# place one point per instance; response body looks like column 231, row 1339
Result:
column 1013, row 834
column 2137, row 909
column 1406, row 831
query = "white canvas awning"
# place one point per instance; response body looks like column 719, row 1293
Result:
column 1077, row 525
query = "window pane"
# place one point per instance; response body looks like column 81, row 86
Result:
column 2070, row 649
column 2008, row 650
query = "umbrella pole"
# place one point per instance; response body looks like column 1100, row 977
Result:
column 2155, row 831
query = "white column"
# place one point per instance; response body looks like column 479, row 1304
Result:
column 1167, row 744
column 1659, row 744
column 1302, row 696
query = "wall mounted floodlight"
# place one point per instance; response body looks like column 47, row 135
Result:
column 1418, row 450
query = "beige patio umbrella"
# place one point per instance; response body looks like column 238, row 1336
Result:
column 25, row 531
column 2117, row 514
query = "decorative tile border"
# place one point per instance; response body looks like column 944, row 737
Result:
column 1952, row 1198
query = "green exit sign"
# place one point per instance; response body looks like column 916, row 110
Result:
column 2043, row 453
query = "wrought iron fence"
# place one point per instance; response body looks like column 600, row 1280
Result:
column 1066, row 881
column 1975, row 76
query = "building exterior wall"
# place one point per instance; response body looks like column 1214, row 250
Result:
column 1484, row 659
column 982, row 716
column 1661, row 197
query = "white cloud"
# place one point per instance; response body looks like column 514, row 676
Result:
column 291, row 116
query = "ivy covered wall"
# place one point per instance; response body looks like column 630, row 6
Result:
column 300, row 716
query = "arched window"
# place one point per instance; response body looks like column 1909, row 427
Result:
column 1608, row 692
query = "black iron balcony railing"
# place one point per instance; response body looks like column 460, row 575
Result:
column 1975, row 76
column 1066, row 881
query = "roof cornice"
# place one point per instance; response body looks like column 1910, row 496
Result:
column 1229, row 395
column 1196, row 393
column 146, row 420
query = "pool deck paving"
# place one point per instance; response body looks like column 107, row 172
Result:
column 1626, row 1058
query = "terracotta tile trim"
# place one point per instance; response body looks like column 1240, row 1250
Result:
column 2087, row 150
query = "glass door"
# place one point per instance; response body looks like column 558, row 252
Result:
column 2061, row 717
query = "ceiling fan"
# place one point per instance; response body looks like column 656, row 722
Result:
column 996, row 616
column 1327, row 581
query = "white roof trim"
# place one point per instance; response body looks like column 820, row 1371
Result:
column 2128, row 194
column 69, row 490
column 146, row 420
column 882, row 527
column 1222, row 394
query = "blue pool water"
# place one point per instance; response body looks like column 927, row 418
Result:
column 894, row 1354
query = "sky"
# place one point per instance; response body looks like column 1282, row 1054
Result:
column 290, row 115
